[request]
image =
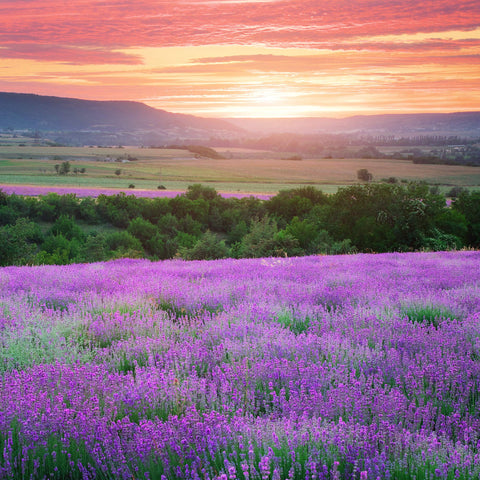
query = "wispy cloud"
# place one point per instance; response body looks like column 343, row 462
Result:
column 68, row 54
column 304, row 23
column 206, row 56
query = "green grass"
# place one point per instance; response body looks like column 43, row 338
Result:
column 55, row 459
column 37, row 151
column 179, row 313
column 295, row 324
column 39, row 344
column 58, row 458
column 426, row 314
column 175, row 185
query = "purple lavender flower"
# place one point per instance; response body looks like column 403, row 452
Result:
column 381, row 381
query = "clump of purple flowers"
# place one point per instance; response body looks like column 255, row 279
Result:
column 346, row 367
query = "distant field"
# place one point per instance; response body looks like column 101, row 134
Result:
column 241, row 170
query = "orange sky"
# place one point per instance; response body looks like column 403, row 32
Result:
column 253, row 58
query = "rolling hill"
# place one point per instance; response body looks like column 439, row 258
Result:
column 464, row 124
column 75, row 121
column 104, row 119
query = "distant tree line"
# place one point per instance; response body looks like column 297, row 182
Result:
column 417, row 140
column 445, row 149
column 61, row 229
column 65, row 167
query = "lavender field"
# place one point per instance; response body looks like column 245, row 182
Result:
column 326, row 367
column 81, row 192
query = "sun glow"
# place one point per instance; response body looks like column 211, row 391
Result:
column 267, row 96
column 240, row 58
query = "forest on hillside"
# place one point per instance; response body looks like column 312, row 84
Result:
column 201, row 224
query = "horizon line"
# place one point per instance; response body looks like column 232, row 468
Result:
column 213, row 117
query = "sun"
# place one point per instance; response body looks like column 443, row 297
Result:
column 267, row 96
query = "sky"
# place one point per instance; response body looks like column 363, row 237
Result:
column 248, row 58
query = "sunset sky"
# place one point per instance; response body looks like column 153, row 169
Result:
column 250, row 58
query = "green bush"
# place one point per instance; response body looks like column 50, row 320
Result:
column 468, row 203
column 162, row 246
column 123, row 241
column 208, row 247
column 264, row 240
column 66, row 226
column 94, row 249
column 142, row 229
column 57, row 249
column 18, row 242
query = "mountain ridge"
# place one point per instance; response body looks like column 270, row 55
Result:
column 31, row 111
column 454, row 123
column 122, row 121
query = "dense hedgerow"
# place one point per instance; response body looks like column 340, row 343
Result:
column 201, row 224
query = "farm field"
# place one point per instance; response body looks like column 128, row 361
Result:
column 241, row 170
column 325, row 367
column 36, row 190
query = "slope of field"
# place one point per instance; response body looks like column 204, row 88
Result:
column 362, row 366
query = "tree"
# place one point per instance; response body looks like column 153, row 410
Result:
column 305, row 232
column 142, row 229
column 364, row 175
column 288, row 204
column 208, row 247
column 383, row 217
column 18, row 242
column 67, row 227
column 197, row 190
column 264, row 240
column 94, row 249
column 162, row 246
column 468, row 203
column 123, row 243
column 64, row 168
column 58, row 250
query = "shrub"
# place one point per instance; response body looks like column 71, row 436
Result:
column 208, row 247
column 364, row 175
column 94, row 249
column 58, row 250
column 196, row 191
column 18, row 242
column 162, row 246
column 123, row 241
column 142, row 229
column 454, row 192
column 67, row 227
column 264, row 240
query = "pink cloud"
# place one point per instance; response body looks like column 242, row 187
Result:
column 368, row 57
column 357, row 43
column 69, row 54
column 307, row 23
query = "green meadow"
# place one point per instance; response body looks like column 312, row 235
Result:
column 241, row 170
